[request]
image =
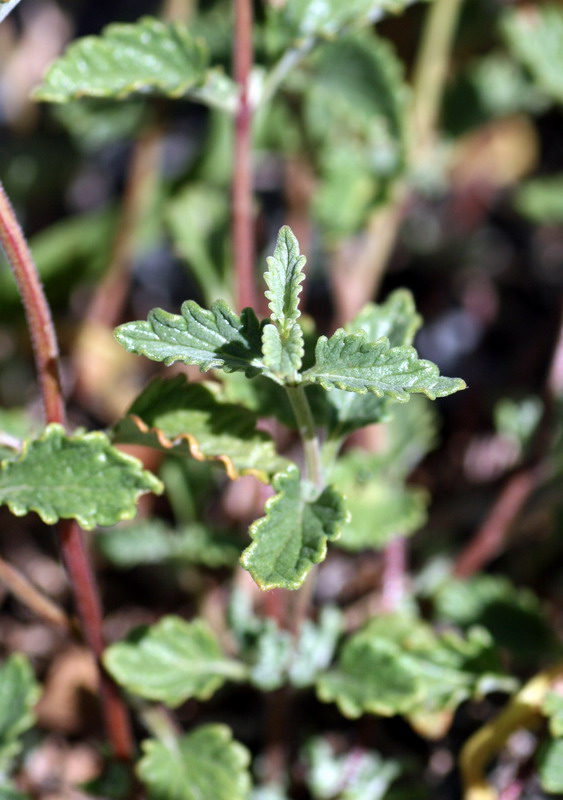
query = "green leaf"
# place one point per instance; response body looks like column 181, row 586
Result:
column 553, row 709
column 283, row 278
column 204, row 765
column 541, row 200
column 283, row 350
column 315, row 646
column 171, row 662
column 396, row 319
column 398, row 665
column 551, row 766
column 77, row 476
column 20, row 692
column 148, row 56
column 293, row 534
column 354, row 98
column 357, row 775
column 513, row 616
column 328, row 17
column 188, row 419
column 380, row 509
column 210, row 339
column 282, row 342
column 535, row 38
column 355, row 364
column 153, row 542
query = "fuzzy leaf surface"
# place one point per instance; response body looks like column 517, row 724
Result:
column 293, row 534
column 153, row 542
column 283, row 278
column 282, row 341
column 354, row 363
column 148, row 56
column 79, row 476
column 204, row 765
column 535, row 37
column 189, row 419
column 396, row 319
column 171, row 661
column 398, row 665
column 210, row 339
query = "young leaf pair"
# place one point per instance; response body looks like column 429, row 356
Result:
column 305, row 512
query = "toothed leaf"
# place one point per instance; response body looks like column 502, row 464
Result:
column 293, row 534
column 396, row 319
column 145, row 57
column 210, row 339
column 171, row 661
column 204, row 765
column 353, row 363
column 80, row 477
column 283, row 350
column 397, row 664
column 284, row 277
column 189, row 419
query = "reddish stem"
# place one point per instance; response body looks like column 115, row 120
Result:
column 74, row 553
column 243, row 218
column 490, row 538
column 40, row 324
column 394, row 577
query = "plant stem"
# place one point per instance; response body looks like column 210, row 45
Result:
column 306, row 427
column 430, row 74
column 243, row 218
column 29, row 595
column 43, row 338
column 395, row 570
column 73, row 550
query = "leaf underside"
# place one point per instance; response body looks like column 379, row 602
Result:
column 189, row 419
column 80, row 477
column 293, row 534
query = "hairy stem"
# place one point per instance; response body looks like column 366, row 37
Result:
column 306, row 427
column 43, row 338
column 243, row 218
column 73, row 550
